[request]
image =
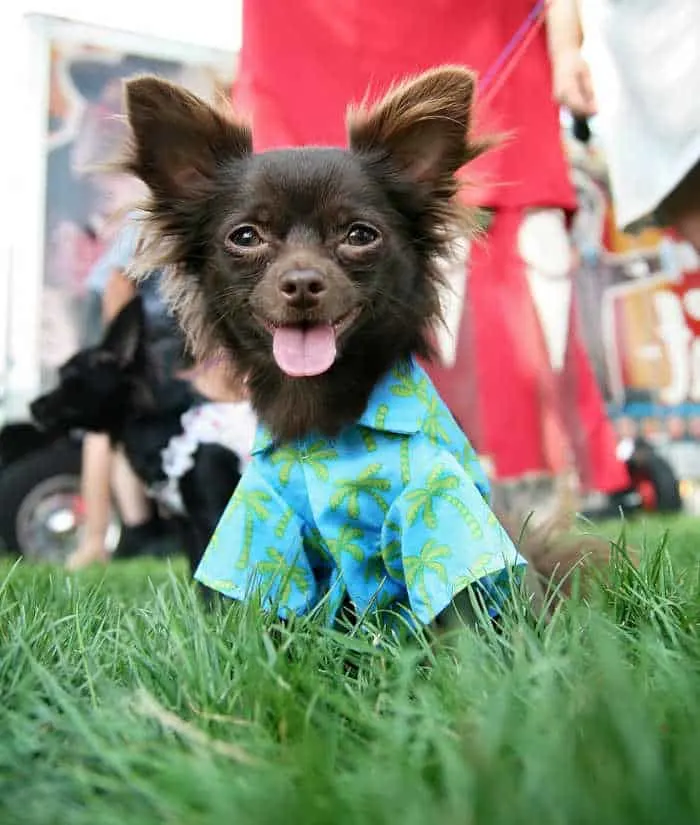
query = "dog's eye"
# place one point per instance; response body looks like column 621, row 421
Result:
column 361, row 234
column 245, row 237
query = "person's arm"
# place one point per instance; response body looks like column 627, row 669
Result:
column 563, row 26
column 119, row 290
column 95, row 490
column 571, row 78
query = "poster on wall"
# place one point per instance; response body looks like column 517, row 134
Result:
column 83, row 206
column 639, row 305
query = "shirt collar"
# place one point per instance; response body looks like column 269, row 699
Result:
column 398, row 404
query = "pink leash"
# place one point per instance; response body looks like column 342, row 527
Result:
column 501, row 68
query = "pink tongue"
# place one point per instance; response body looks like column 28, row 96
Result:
column 303, row 352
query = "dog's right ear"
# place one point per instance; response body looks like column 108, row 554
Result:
column 178, row 140
column 125, row 334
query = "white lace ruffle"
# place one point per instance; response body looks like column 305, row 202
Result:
column 230, row 425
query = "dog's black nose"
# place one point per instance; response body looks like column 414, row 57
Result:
column 302, row 287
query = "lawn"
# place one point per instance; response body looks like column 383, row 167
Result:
column 124, row 702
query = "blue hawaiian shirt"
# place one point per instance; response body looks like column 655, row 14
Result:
column 393, row 513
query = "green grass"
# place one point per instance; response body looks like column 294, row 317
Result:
column 124, row 702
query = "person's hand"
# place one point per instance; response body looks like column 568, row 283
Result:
column 573, row 85
column 216, row 381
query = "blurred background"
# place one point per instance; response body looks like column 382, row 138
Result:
column 62, row 62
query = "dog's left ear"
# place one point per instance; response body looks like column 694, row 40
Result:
column 125, row 335
column 422, row 126
column 178, row 140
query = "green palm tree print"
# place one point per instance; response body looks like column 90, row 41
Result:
column 291, row 575
column 285, row 458
column 318, row 454
column 347, row 542
column 284, row 523
column 428, row 560
column 368, row 440
column 368, row 483
column 380, row 417
column 254, row 507
column 432, row 423
column 222, row 585
column 469, row 456
column 477, row 570
column 391, row 552
column 409, row 387
column 405, row 462
column 390, row 511
column 439, row 485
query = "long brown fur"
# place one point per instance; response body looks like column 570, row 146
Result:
column 444, row 95
column 198, row 163
column 555, row 552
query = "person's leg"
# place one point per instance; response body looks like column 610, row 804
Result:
column 134, row 505
column 96, row 492
column 143, row 531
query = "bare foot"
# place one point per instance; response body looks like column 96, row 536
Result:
column 85, row 555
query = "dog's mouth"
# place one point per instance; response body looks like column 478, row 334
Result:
column 308, row 348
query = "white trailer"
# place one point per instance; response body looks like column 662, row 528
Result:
column 207, row 32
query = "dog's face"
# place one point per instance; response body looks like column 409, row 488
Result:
column 96, row 384
column 314, row 268
column 311, row 252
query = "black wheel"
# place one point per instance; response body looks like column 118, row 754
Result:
column 654, row 479
column 18, row 439
column 41, row 509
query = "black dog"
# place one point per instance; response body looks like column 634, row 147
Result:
column 113, row 388
column 317, row 271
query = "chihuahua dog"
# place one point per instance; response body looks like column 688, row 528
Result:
column 318, row 271
column 113, row 388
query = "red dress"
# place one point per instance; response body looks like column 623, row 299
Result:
column 303, row 62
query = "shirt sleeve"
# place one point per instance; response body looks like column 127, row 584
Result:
column 257, row 550
column 122, row 252
column 441, row 537
column 118, row 255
